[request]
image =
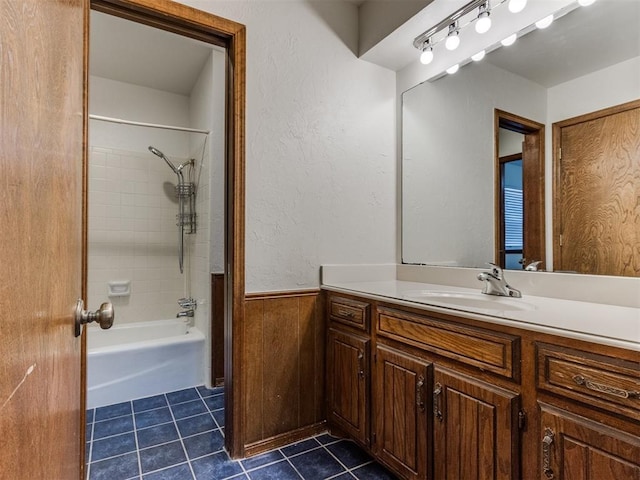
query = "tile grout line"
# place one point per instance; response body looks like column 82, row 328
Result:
column 348, row 470
column 210, row 412
column 161, row 444
column 184, row 449
column 244, row 471
column 135, row 437
column 291, row 463
column 93, row 421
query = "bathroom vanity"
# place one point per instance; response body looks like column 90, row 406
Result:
column 439, row 381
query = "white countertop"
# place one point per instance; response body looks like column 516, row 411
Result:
column 613, row 325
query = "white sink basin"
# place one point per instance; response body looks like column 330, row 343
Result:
column 468, row 300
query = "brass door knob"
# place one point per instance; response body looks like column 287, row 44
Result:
column 103, row 316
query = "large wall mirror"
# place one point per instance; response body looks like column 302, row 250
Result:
column 454, row 145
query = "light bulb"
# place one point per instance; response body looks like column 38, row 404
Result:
column 483, row 24
column 427, row 56
column 478, row 56
column 545, row 22
column 586, row 3
column 453, row 69
column 516, row 6
column 510, row 40
column 452, row 41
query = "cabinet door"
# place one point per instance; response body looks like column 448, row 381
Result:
column 348, row 383
column 400, row 411
column 575, row 448
column 475, row 432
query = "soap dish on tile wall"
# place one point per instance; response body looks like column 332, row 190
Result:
column 119, row 288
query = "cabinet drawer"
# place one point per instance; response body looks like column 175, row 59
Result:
column 349, row 312
column 606, row 382
column 491, row 351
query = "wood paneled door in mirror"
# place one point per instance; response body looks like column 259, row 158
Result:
column 597, row 192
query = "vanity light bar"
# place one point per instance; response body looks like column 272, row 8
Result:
column 418, row 42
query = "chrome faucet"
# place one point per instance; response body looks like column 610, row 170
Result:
column 495, row 284
column 533, row 266
column 185, row 313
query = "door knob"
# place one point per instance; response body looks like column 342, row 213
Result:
column 103, row 316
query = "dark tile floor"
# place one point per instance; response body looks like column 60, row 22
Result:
column 180, row 436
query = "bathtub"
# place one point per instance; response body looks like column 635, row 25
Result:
column 136, row 360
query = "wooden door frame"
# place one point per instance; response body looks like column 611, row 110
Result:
column 190, row 22
column 557, row 166
column 525, row 126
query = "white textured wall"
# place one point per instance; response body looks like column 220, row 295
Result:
column 604, row 88
column 320, row 143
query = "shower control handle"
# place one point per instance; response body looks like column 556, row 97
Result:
column 103, row 316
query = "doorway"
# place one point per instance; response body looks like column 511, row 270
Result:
column 227, row 39
column 519, row 187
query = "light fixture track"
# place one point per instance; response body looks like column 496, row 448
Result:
column 418, row 42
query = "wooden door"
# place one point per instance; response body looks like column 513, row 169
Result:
column 41, row 190
column 575, row 448
column 348, row 383
column 533, row 198
column 475, row 433
column 597, row 192
column 400, row 386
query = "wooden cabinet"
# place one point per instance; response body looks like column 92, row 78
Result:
column 455, row 398
column 475, row 429
column 348, row 383
column 576, row 448
column 401, row 385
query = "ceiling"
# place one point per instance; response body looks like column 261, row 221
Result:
column 135, row 53
column 583, row 41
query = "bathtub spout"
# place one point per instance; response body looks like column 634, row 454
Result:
column 185, row 313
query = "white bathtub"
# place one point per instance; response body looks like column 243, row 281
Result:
column 138, row 360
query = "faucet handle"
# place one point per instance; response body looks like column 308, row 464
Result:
column 496, row 270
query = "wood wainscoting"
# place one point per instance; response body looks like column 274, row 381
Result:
column 283, row 368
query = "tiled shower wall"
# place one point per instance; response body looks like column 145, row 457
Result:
column 133, row 234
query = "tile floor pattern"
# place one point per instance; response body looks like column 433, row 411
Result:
column 180, row 436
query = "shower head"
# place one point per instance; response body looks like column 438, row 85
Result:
column 157, row 152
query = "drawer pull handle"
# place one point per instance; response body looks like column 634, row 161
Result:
column 436, row 401
column 419, row 389
column 600, row 387
column 547, row 441
column 360, row 364
column 346, row 313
